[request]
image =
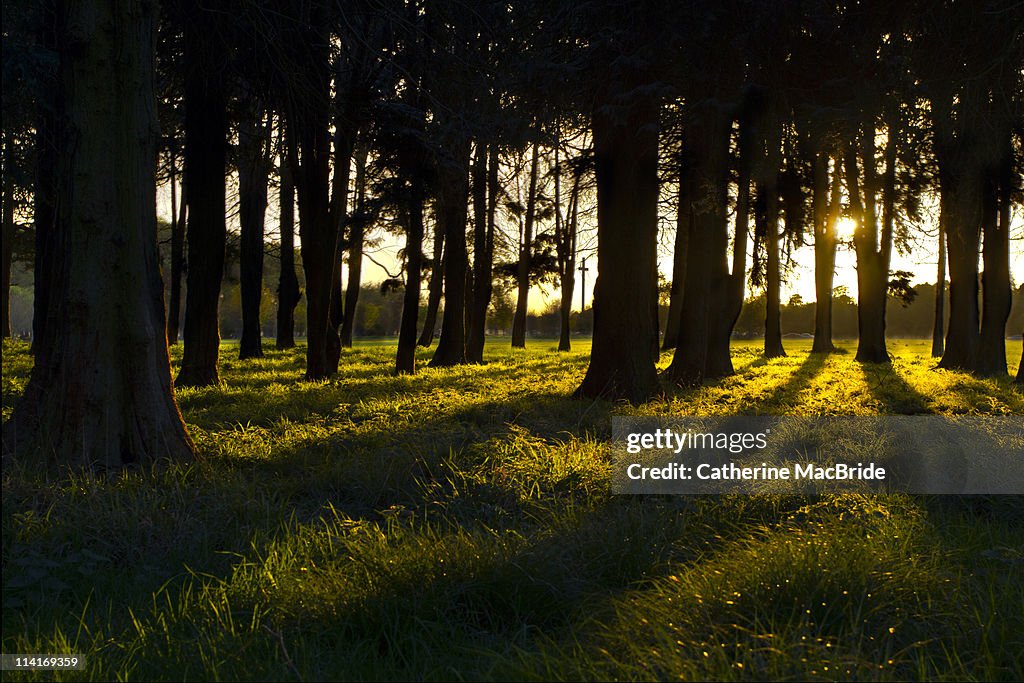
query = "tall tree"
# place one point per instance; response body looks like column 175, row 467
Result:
column 288, row 292
column 825, row 202
column 483, row 252
column 625, row 123
column 178, row 218
column 873, row 249
column 450, row 211
column 206, row 130
column 253, row 175
column 566, row 229
column 8, row 231
column 768, row 192
column 526, row 253
column 680, row 250
column 309, row 118
column 939, row 320
column 100, row 392
column 357, row 224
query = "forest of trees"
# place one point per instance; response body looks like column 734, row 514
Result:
column 481, row 134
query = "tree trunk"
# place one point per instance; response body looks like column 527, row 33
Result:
column 997, row 294
column 45, row 195
column 826, row 213
column 773, row 275
column 480, row 298
column 705, row 250
column 434, row 286
column 288, row 292
column 253, row 148
column 939, row 322
column 100, row 393
column 309, row 118
column 357, row 236
column 205, row 157
column 727, row 293
column 406, row 359
column 963, row 233
column 8, row 233
column 344, row 148
column 872, row 257
column 525, row 256
column 178, row 217
column 961, row 188
column 451, row 219
column 679, row 254
column 569, row 270
column 622, row 358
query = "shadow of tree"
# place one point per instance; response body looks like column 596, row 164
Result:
column 892, row 393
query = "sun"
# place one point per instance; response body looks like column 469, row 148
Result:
column 845, row 227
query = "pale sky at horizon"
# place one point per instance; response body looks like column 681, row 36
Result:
column 799, row 280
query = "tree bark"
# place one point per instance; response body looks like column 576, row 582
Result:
column 288, row 292
column 569, row 268
column 939, row 322
column 997, row 295
column 679, row 254
column 318, row 222
column 205, row 158
column 728, row 288
column 434, row 286
column 8, row 233
column 622, row 357
column 451, row 219
column 253, row 171
column 705, row 250
column 826, row 213
column 406, row 359
column 178, row 218
column 356, row 239
column 525, row 256
column 482, row 257
column 872, row 256
column 100, row 393
column 45, row 195
column 344, row 148
column 962, row 237
column 773, row 275
column 960, row 184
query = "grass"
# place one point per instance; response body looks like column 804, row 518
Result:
column 458, row 524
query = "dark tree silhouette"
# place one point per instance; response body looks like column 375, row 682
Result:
column 253, row 175
column 206, row 128
column 100, row 392
column 526, row 253
column 288, row 292
column 623, row 353
column 357, row 224
column 434, row 287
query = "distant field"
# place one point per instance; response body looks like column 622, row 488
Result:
column 459, row 524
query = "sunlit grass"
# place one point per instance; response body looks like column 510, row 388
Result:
column 458, row 524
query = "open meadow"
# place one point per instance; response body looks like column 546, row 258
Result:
column 458, row 524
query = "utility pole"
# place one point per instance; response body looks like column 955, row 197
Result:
column 583, row 284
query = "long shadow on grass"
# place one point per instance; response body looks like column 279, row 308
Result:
column 356, row 385
column 421, row 618
column 786, row 394
column 893, row 394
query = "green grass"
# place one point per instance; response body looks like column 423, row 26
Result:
column 459, row 524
